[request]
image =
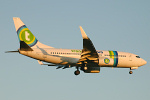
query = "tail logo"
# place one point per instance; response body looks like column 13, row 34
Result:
column 27, row 35
column 24, row 34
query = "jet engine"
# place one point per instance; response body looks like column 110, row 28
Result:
column 91, row 69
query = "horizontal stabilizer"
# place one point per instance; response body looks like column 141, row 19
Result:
column 24, row 46
column 12, row 51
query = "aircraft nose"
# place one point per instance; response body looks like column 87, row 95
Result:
column 143, row 62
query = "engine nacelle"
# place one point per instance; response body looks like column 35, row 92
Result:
column 91, row 69
column 106, row 62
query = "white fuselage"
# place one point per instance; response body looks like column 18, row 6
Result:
column 88, row 59
column 72, row 56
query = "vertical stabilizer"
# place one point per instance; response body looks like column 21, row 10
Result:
column 24, row 34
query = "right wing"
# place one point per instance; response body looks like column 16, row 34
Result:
column 89, row 55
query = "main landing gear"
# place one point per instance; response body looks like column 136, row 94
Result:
column 77, row 72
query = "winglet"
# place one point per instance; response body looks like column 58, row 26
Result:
column 83, row 33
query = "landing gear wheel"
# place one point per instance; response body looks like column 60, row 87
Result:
column 130, row 72
column 77, row 72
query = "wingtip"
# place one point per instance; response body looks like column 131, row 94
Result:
column 83, row 33
column 16, row 18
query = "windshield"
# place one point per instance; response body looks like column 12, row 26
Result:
column 137, row 56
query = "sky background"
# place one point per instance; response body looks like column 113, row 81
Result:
column 122, row 25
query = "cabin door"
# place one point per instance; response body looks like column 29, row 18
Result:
column 130, row 57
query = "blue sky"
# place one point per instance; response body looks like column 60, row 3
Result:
column 121, row 25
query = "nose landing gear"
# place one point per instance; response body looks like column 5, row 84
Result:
column 130, row 72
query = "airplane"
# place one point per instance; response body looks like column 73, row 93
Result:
column 88, row 60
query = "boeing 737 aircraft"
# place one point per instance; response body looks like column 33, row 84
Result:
column 89, row 60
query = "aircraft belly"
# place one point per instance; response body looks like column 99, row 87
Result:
column 53, row 59
column 32, row 54
column 63, row 60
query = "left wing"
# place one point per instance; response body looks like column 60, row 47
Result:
column 58, row 66
column 89, row 55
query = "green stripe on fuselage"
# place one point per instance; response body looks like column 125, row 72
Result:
column 114, row 56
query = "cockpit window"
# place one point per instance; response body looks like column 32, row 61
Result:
column 137, row 56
